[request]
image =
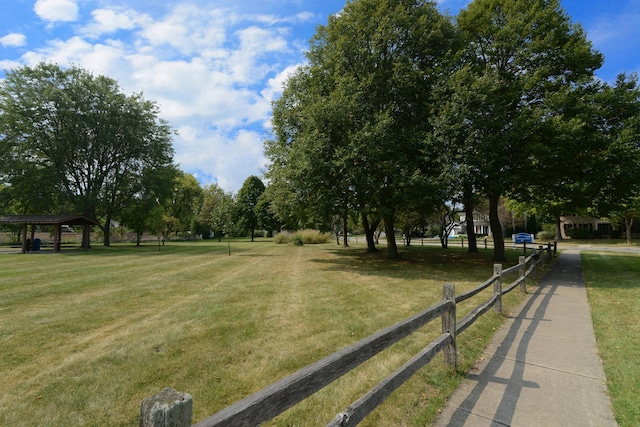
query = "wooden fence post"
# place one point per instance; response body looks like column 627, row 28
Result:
column 497, row 287
column 541, row 255
column 522, row 270
column 449, row 326
column 169, row 408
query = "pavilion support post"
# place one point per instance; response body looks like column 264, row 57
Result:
column 86, row 237
column 57, row 237
column 24, row 239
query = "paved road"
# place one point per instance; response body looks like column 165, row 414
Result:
column 542, row 367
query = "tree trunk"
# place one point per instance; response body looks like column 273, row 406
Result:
column 107, row 231
column 558, row 228
column 369, row 233
column 471, row 233
column 496, row 229
column 629, row 223
column 392, row 247
column 345, row 228
column 468, row 210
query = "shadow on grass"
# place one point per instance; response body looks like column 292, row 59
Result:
column 426, row 261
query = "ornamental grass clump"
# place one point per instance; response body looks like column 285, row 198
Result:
column 302, row 237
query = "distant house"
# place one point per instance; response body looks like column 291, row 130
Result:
column 481, row 225
column 568, row 222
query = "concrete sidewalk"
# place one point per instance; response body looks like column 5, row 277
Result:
column 542, row 367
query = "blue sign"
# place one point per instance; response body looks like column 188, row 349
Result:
column 523, row 238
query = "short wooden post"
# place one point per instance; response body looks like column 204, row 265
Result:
column 449, row 326
column 497, row 287
column 522, row 270
column 169, row 408
column 540, row 254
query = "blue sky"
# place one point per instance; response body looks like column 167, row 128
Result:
column 214, row 66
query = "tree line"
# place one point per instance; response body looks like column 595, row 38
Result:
column 401, row 110
column 73, row 143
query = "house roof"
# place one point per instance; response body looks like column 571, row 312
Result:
column 47, row 220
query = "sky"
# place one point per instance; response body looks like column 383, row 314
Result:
column 214, row 66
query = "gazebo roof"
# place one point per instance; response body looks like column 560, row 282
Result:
column 47, row 220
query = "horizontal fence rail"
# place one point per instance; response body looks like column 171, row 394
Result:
column 276, row 398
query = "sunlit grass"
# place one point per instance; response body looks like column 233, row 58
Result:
column 85, row 336
column 613, row 289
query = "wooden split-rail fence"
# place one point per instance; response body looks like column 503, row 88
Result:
column 172, row 408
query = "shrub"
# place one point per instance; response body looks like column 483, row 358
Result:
column 546, row 235
column 578, row 233
column 312, row 237
column 299, row 238
column 283, row 238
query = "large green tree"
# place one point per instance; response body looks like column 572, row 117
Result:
column 181, row 208
column 216, row 211
column 72, row 141
column 617, row 178
column 247, row 203
column 518, row 54
column 351, row 126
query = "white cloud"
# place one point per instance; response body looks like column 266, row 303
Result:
column 107, row 21
column 212, row 72
column 56, row 10
column 13, row 39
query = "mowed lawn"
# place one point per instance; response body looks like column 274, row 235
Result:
column 613, row 288
column 85, row 336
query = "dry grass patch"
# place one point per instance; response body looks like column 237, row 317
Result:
column 85, row 336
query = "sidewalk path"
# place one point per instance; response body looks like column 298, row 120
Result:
column 542, row 367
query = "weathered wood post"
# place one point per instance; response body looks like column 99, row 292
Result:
column 169, row 408
column 497, row 287
column 540, row 261
column 449, row 326
column 523, row 269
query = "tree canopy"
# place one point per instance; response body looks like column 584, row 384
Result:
column 73, row 141
column 516, row 56
column 350, row 126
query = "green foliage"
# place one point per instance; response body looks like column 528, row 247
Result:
column 496, row 107
column 247, row 203
column 302, row 237
column 74, row 143
column 350, row 127
column 578, row 233
column 217, row 210
column 546, row 235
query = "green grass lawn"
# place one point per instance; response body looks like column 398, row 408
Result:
column 85, row 336
column 613, row 289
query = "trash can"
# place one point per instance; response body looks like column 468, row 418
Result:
column 36, row 244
